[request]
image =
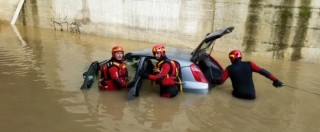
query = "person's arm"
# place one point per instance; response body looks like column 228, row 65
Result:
column 262, row 71
column 276, row 83
column 125, row 80
column 164, row 71
column 223, row 77
column 103, row 73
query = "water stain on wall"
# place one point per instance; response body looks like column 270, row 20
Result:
column 249, row 41
column 85, row 13
column 301, row 31
column 35, row 13
column 282, row 28
column 213, row 14
column 22, row 15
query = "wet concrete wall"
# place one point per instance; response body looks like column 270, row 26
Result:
column 169, row 21
column 7, row 10
column 282, row 29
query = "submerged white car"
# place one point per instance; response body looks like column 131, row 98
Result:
column 197, row 68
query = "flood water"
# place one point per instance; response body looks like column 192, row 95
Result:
column 41, row 75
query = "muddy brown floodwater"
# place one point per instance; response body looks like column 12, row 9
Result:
column 41, row 74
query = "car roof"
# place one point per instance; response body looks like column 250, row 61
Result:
column 184, row 53
column 171, row 52
column 181, row 55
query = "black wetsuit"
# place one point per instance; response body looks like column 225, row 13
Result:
column 240, row 74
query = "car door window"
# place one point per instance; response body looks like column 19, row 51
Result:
column 132, row 65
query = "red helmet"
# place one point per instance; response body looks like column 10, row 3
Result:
column 159, row 48
column 234, row 54
column 116, row 49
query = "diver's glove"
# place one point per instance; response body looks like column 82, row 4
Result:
column 159, row 80
column 143, row 74
column 216, row 81
column 277, row 83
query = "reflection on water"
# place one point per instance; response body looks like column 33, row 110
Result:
column 41, row 74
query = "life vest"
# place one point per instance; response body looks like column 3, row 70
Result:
column 105, row 75
column 173, row 74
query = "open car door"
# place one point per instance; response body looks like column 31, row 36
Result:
column 207, row 43
column 145, row 65
column 208, row 65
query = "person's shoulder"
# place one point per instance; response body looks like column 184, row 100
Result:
column 167, row 60
column 112, row 64
column 166, row 64
column 229, row 66
column 113, row 67
column 251, row 62
column 164, row 61
column 247, row 62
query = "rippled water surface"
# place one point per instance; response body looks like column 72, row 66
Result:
column 41, row 74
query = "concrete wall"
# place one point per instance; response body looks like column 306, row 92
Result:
column 167, row 21
column 284, row 29
column 7, row 10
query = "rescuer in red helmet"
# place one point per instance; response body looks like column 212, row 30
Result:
column 240, row 73
column 165, row 73
column 114, row 73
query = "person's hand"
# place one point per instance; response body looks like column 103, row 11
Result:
column 103, row 82
column 156, row 70
column 127, row 56
column 277, row 83
column 159, row 80
column 216, row 81
column 143, row 74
